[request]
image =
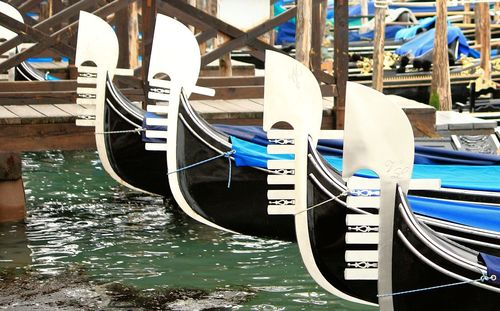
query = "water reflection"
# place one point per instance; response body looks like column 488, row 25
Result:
column 77, row 214
column 14, row 251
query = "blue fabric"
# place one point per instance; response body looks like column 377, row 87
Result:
column 424, row 42
column 250, row 154
column 486, row 178
column 423, row 155
column 467, row 214
column 406, row 34
column 153, row 128
column 492, row 267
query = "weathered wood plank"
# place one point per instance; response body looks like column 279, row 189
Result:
column 8, row 117
column 246, row 104
column 225, row 106
column 37, row 137
column 24, row 112
column 341, row 58
column 203, row 107
column 304, row 32
column 71, row 109
column 51, row 111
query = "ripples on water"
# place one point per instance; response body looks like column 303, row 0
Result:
column 77, row 214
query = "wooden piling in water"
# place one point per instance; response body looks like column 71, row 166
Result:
column 378, row 48
column 441, row 89
column 12, row 200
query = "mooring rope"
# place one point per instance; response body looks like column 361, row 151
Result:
column 137, row 130
column 223, row 155
column 483, row 279
column 345, row 193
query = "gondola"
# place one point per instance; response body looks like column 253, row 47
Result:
column 204, row 178
column 349, row 249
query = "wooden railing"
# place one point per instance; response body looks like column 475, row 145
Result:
column 58, row 31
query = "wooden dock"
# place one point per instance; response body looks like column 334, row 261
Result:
column 52, row 126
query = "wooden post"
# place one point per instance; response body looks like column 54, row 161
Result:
column 467, row 17
column 192, row 3
column 496, row 8
column 364, row 11
column 12, row 201
column 272, row 35
column 127, row 31
column 303, row 31
column 148, row 22
column 317, row 36
column 440, row 96
column 477, row 19
column 44, row 11
column 225, row 64
column 485, row 37
column 341, row 58
column 378, row 48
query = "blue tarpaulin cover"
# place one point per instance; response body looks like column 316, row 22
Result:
column 424, row 42
column 493, row 267
column 485, row 178
column 468, row 214
column 423, row 155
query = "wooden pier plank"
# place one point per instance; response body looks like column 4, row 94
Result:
column 71, row 109
column 51, row 111
column 7, row 117
column 24, row 112
column 203, row 107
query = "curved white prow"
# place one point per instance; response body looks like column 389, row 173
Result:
column 292, row 95
column 379, row 137
column 175, row 52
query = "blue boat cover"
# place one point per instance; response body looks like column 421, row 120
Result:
column 423, row 155
column 468, row 214
column 424, row 24
column 486, row 178
column 424, row 42
column 493, row 267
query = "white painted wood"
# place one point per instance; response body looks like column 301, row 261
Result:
column 83, row 122
column 280, row 149
column 362, row 219
column 88, row 111
column 124, row 72
column 279, row 134
column 281, row 179
column 85, row 101
column 101, row 49
column 157, row 121
column 156, row 134
column 83, row 80
column 356, row 182
column 378, row 136
column 159, row 96
column 281, row 194
column 331, row 134
column 175, row 52
column 361, row 238
column 280, row 164
column 281, row 209
column 204, row 91
column 425, row 184
column 360, row 274
column 86, row 90
column 355, row 255
column 299, row 103
column 160, row 109
column 156, row 147
column 363, row 202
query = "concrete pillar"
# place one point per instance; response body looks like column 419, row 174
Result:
column 12, row 200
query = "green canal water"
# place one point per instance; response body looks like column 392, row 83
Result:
column 76, row 214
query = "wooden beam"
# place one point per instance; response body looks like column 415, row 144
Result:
column 317, row 36
column 467, row 17
column 485, row 35
column 378, row 48
column 303, row 32
column 127, row 31
column 50, row 22
column 341, row 58
column 149, row 10
column 364, row 11
column 441, row 91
